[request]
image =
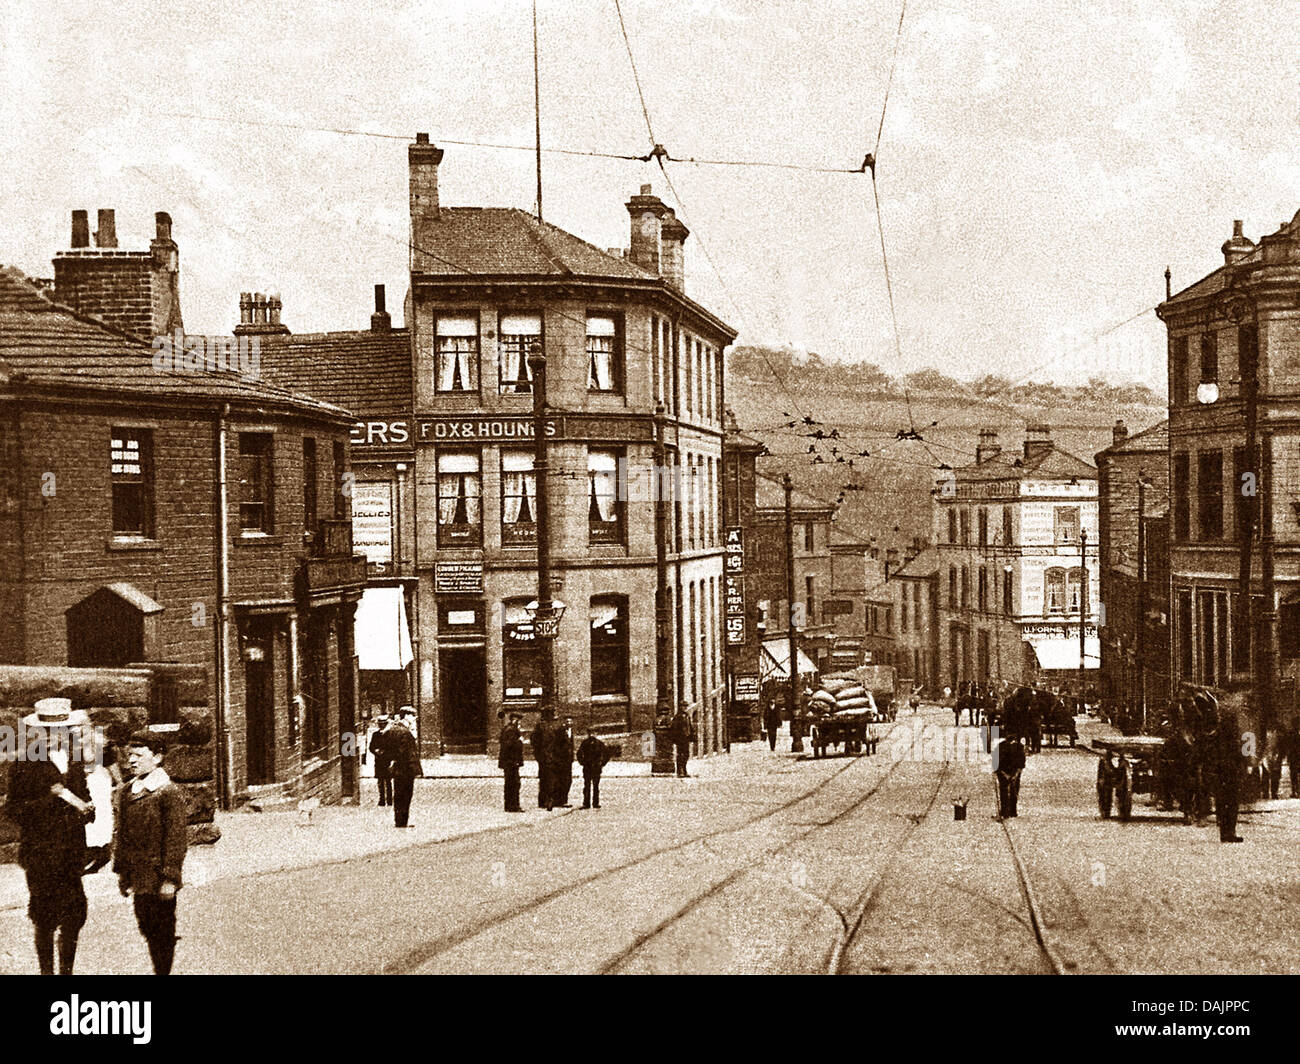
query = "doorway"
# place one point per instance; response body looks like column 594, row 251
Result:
column 259, row 704
column 463, row 676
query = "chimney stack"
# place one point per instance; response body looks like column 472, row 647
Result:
column 106, row 234
column 80, row 229
column 380, row 321
column 1238, row 247
column 1038, row 441
column 988, row 447
column 647, row 211
column 672, row 256
column 1119, row 433
column 423, row 160
column 259, row 315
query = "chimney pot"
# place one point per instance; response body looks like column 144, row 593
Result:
column 646, row 190
column 1038, row 440
column 245, row 308
column 379, row 299
column 380, row 321
column 1119, row 433
column 162, row 225
column 1238, row 247
column 106, row 234
column 80, row 229
column 422, row 138
column 988, row 446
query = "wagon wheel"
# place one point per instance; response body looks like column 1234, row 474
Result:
column 1124, row 789
column 1104, row 787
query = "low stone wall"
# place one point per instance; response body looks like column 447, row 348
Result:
column 171, row 699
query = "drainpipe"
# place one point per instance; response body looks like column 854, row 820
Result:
column 225, row 760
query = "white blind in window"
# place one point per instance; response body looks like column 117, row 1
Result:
column 521, row 325
column 458, row 326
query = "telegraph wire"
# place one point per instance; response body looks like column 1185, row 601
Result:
column 627, row 43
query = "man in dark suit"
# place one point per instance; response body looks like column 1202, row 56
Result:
column 683, row 732
column 510, row 759
column 49, row 801
column 563, row 762
column 1227, row 764
column 404, row 752
column 1008, row 764
column 383, row 766
column 593, row 755
column 544, row 735
column 152, row 825
column 772, row 722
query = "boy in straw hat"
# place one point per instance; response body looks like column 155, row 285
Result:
column 49, row 801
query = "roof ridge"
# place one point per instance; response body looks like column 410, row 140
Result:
column 534, row 228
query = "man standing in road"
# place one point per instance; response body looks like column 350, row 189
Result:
column 563, row 750
column 592, row 756
column 1008, row 763
column 542, row 739
column 383, row 762
column 1228, row 765
column 772, row 722
column 510, row 759
column 151, row 842
column 404, row 755
column 683, row 732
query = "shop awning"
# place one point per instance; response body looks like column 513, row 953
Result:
column 775, row 663
column 382, row 635
column 1064, row 653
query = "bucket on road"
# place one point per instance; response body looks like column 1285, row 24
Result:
column 959, row 808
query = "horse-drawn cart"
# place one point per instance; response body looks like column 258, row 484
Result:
column 1126, row 766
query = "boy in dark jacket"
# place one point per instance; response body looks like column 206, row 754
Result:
column 151, row 823
column 593, row 755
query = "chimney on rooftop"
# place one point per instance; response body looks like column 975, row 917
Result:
column 423, row 160
column 1038, row 441
column 106, row 234
column 380, row 320
column 80, row 229
column 1238, row 247
column 1119, row 433
column 647, row 211
column 672, row 252
column 259, row 315
column 988, row 447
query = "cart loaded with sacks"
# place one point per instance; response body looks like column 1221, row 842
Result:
column 844, row 711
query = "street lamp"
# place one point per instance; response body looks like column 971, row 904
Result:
column 544, row 611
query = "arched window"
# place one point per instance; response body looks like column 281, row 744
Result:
column 1054, row 591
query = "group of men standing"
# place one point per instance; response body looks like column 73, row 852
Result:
column 397, row 763
column 552, row 743
column 1202, row 755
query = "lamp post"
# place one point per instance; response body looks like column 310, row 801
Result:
column 544, row 611
column 662, row 760
column 1083, row 607
column 796, row 721
column 1142, row 598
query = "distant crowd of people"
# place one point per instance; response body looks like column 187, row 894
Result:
column 78, row 806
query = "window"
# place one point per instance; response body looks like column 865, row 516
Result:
column 456, row 354
column 965, row 527
column 1007, row 535
column 965, row 588
column 1209, row 495
column 1067, row 524
column 1182, row 501
column 517, row 334
column 1209, row 357
column 1241, row 501
column 1006, row 593
column 1184, row 625
column 983, row 589
column 1178, row 369
column 609, row 657
column 810, row 599
column 256, row 482
column 983, row 527
column 310, row 514
column 340, row 497
column 131, row 465
column 1074, row 590
column 808, row 539
column 521, row 658
column 952, row 586
column 889, row 620
column 903, row 608
column 1213, row 609
column 604, row 353
column 459, row 492
column 606, row 472
column 952, row 526
column 315, row 687
column 1247, row 350
column 518, row 499
column 1054, row 591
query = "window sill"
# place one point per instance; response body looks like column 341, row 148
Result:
column 133, row 543
column 248, row 539
column 610, row 700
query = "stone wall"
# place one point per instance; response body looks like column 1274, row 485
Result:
column 172, row 699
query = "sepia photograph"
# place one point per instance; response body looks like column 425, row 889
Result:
column 708, row 487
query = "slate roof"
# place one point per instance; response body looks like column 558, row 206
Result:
column 45, row 346
column 1149, row 441
column 507, row 240
column 367, row 372
column 1053, row 464
column 924, row 564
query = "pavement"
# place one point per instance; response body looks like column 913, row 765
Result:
column 261, row 843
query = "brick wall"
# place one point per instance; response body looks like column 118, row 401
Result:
column 116, row 286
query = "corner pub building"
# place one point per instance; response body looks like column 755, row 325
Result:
column 620, row 337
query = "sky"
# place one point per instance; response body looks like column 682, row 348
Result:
column 1040, row 163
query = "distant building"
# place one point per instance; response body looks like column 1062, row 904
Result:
column 1007, row 536
column 917, row 587
column 743, row 615
column 1133, row 523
